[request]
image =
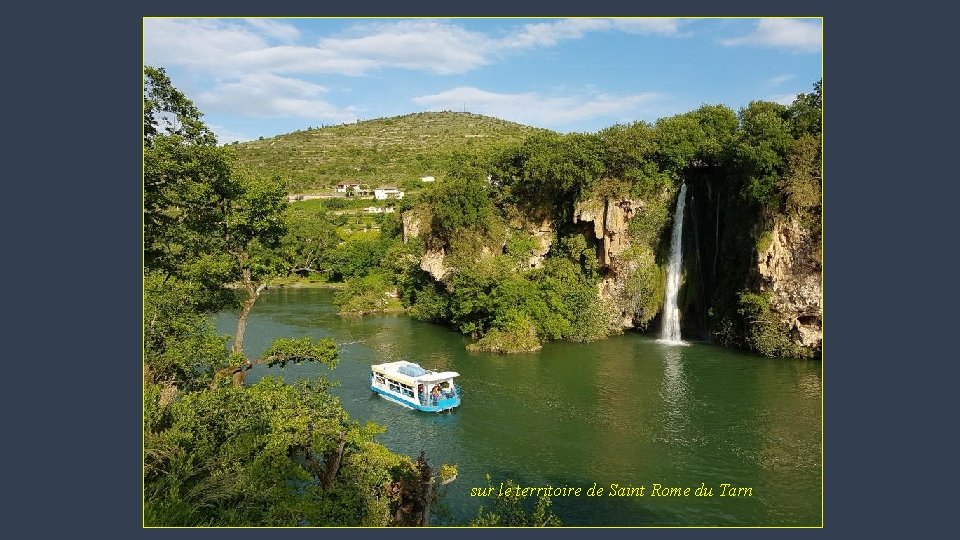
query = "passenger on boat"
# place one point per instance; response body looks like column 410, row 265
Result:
column 435, row 394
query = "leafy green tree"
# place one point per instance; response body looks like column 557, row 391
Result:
column 460, row 202
column 268, row 454
column 630, row 156
column 700, row 138
column 168, row 112
column 355, row 257
column 806, row 112
column 179, row 151
column 765, row 141
column 802, row 180
column 549, row 172
column 204, row 220
column 181, row 349
column 368, row 294
column 310, row 237
column 509, row 511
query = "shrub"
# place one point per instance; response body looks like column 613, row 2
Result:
column 515, row 333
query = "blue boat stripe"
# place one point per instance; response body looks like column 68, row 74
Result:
column 417, row 406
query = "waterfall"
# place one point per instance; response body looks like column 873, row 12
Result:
column 670, row 332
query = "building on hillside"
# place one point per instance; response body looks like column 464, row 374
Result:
column 387, row 192
column 354, row 189
column 363, row 191
column 427, row 179
column 344, row 187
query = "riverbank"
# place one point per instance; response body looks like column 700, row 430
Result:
column 303, row 283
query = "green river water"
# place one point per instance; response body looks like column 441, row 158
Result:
column 626, row 410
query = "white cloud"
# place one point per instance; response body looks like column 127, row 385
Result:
column 792, row 34
column 195, row 42
column 535, row 109
column 417, row 45
column 773, row 82
column 644, row 26
column 275, row 29
column 551, row 33
column 272, row 96
column 421, row 45
column 227, row 136
column 229, row 48
column 298, row 59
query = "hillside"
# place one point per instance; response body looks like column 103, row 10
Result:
column 385, row 150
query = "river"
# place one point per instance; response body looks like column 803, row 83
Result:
column 626, row 410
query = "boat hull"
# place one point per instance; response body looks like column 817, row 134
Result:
column 441, row 406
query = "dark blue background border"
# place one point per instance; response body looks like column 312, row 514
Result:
column 72, row 221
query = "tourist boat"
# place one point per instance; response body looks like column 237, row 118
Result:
column 412, row 386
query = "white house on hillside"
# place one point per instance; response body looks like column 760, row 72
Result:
column 387, row 192
column 344, row 187
column 427, row 179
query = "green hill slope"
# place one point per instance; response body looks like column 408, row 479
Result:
column 381, row 151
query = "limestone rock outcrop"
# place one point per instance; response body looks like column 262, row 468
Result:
column 611, row 223
column 789, row 268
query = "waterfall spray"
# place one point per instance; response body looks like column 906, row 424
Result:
column 670, row 331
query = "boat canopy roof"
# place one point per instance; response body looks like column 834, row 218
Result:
column 436, row 377
column 410, row 373
column 411, row 370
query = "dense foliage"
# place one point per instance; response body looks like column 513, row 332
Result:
column 217, row 451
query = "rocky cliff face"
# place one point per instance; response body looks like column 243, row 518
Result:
column 789, row 269
column 432, row 261
column 611, row 226
column 611, row 223
column 787, row 265
column 544, row 235
column 411, row 226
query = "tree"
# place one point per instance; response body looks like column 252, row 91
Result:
column 549, row 171
column 310, row 236
column 178, row 150
column 509, row 511
column 168, row 112
column 764, row 143
column 700, row 138
column 269, row 454
column 806, row 112
column 205, row 220
column 461, row 202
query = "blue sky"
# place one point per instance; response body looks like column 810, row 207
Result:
column 264, row 77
